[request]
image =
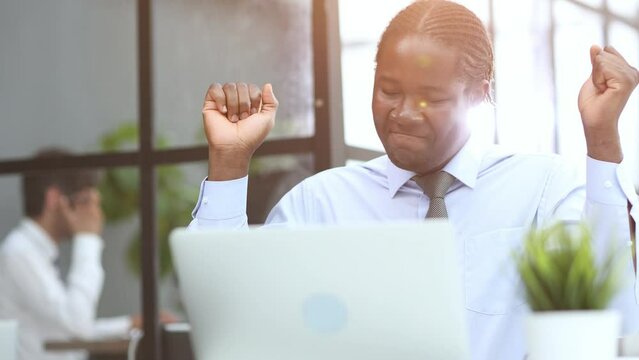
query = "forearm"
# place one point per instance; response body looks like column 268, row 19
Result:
column 84, row 284
column 604, row 144
column 225, row 166
column 609, row 209
column 86, row 275
column 607, row 202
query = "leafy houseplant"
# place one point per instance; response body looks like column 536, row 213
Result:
column 568, row 290
column 560, row 272
column 120, row 195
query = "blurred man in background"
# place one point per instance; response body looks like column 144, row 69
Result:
column 59, row 206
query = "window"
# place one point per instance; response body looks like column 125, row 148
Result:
column 541, row 59
column 69, row 75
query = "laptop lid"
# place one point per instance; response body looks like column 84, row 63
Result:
column 368, row 291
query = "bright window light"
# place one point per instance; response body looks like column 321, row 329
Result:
column 541, row 63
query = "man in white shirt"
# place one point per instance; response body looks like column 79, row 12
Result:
column 59, row 206
column 434, row 63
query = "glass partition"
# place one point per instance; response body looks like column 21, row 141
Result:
column 201, row 42
column 626, row 40
column 576, row 30
column 67, row 73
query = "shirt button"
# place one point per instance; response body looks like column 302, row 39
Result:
column 607, row 184
column 205, row 200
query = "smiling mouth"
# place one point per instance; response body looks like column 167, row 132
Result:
column 406, row 135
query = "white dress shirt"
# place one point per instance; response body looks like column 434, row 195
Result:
column 32, row 292
column 497, row 196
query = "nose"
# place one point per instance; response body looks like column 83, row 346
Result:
column 408, row 110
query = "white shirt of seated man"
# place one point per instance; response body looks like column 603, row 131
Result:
column 46, row 307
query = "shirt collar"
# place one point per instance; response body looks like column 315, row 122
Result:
column 40, row 239
column 464, row 166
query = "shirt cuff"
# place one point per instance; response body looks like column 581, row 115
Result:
column 220, row 200
column 604, row 182
column 112, row 327
column 87, row 247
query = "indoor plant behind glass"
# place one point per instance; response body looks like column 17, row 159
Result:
column 569, row 288
column 120, row 195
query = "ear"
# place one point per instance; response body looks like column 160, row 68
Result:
column 478, row 92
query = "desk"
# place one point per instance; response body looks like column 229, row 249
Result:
column 103, row 349
column 176, row 345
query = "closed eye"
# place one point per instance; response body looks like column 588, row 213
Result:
column 390, row 92
column 438, row 101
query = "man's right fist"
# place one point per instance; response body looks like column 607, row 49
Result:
column 237, row 118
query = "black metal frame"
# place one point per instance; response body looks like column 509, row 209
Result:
column 146, row 158
column 321, row 138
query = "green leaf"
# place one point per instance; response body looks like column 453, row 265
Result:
column 559, row 270
column 120, row 197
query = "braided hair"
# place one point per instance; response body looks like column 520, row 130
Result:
column 452, row 25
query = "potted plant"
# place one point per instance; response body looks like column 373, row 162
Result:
column 568, row 288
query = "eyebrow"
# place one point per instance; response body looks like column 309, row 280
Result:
column 424, row 88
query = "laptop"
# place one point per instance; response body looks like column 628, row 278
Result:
column 366, row 291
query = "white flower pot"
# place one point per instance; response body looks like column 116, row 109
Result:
column 629, row 345
column 8, row 339
column 583, row 335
